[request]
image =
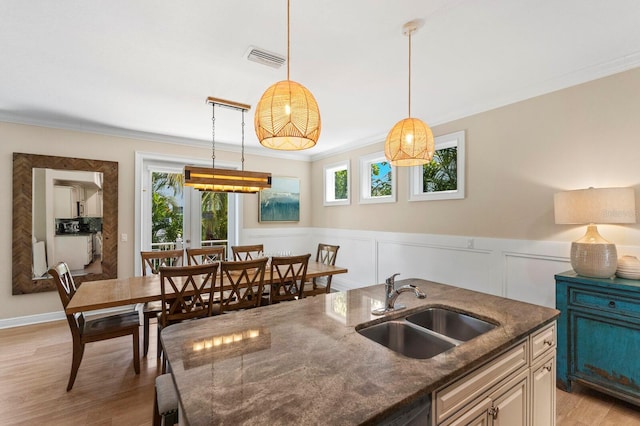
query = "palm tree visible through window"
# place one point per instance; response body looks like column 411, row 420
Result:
column 441, row 173
column 381, row 179
column 167, row 210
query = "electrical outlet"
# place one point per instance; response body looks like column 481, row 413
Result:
column 124, row 238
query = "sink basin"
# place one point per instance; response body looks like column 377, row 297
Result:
column 451, row 324
column 426, row 333
column 406, row 339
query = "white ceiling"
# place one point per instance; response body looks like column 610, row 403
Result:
column 137, row 67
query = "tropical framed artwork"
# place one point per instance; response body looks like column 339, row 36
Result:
column 443, row 178
column 281, row 202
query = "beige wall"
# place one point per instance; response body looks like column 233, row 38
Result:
column 46, row 141
column 518, row 156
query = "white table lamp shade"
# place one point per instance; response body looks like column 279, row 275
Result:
column 595, row 205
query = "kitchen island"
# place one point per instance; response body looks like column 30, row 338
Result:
column 303, row 362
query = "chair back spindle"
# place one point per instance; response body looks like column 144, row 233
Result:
column 248, row 252
column 198, row 256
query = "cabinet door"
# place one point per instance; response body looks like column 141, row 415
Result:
column 510, row 403
column 93, row 203
column 605, row 351
column 543, row 391
column 477, row 415
column 64, row 202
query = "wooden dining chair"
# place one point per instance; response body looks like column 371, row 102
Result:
column 249, row 252
column 191, row 296
column 192, row 290
column 326, row 254
column 151, row 262
column 165, row 406
column 241, row 284
column 198, row 256
column 85, row 331
column 288, row 274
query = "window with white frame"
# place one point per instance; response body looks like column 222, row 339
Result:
column 337, row 188
column 377, row 179
column 443, row 177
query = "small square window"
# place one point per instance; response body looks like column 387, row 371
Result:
column 377, row 180
column 443, row 177
column 337, row 188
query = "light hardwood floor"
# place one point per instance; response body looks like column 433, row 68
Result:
column 34, row 369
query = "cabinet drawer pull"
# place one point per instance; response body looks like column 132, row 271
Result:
column 547, row 342
column 493, row 412
column 612, row 304
column 547, row 367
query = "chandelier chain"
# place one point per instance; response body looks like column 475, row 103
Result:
column 242, row 153
column 213, row 135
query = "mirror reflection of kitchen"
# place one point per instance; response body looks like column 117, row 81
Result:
column 67, row 221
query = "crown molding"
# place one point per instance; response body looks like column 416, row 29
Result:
column 96, row 128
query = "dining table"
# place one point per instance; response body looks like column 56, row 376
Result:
column 118, row 292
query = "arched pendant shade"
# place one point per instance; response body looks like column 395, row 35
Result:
column 409, row 143
column 287, row 117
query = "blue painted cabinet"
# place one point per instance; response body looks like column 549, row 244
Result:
column 599, row 334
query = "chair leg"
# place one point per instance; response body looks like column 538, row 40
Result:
column 159, row 344
column 157, row 418
column 78, row 351
column 136, row 350
column 146, row 333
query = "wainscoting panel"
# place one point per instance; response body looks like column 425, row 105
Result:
column 518, row 269
column 530, row 278
column 451, row 265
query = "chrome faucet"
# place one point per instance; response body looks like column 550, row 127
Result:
column 391, row 294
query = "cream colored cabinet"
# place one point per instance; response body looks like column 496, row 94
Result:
column 75, row 250
column 65, row 202
column 516, row 388
column 93, row 203
column 543, row 385
column 511, row 402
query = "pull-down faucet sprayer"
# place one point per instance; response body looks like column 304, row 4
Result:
column 391, row 294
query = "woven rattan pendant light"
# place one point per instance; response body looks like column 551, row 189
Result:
column 410, row 141
column 287, row 116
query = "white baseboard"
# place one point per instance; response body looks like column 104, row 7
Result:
column 53, row 316
column 31, row 319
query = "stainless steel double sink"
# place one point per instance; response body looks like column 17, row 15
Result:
column 426, row 333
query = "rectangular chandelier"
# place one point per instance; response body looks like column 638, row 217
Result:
column 225, row 180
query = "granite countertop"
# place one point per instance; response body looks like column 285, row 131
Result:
column 302, row 362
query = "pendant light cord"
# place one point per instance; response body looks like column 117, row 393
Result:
column 213, row 137
column 288, row 36
column 410, row 31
